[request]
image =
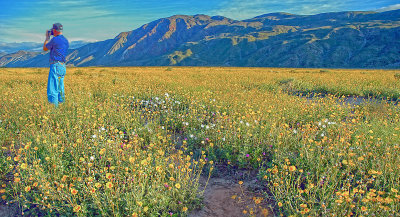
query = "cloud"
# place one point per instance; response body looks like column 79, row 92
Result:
column 81, row 19
column 87, row 40
column 77, row 10
column 244, row 9
column 20, row 35
column 389, row 8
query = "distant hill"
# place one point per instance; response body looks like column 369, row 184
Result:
column 13, row 47
column 337, row 40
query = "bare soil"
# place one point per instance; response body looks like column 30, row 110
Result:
column 224, row 196
column 8, row 210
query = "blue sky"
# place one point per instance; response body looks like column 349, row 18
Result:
column 93, row 20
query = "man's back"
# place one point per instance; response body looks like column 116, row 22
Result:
column 58, row 47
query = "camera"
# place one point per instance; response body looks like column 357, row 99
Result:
column 50, row 32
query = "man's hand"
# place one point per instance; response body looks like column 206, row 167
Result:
column 46, row 41
column 47, row 35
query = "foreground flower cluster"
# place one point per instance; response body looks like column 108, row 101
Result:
column 134, row 141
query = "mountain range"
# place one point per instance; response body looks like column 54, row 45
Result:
column 9, row 48
column 330, row 40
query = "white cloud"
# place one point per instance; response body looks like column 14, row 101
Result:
column 389, row 8
column 19, row 35
column 237, row 9
column 245, row 9
column 88, row 40
column 77, row 10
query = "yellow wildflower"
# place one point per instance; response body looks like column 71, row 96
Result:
column 27, row 188
column 74, row 191
column 24, row 166
column 108, row 175
column 77, row 208
column 109, row 185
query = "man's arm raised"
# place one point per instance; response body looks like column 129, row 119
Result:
column 46, row 41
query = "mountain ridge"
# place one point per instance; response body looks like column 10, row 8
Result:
column 14, row 47
column 350, row 39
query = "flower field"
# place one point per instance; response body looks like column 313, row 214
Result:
column 134, row 141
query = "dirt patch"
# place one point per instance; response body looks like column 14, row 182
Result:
column 224, row 196
column 8, row 210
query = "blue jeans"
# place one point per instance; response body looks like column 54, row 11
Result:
column 55, row 84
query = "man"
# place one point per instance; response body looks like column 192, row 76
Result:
column 58, row 47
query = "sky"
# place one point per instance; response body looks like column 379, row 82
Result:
column 96, row 20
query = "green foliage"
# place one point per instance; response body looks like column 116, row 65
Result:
column 179, row 56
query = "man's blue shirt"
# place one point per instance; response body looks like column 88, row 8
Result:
column 58, row 47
